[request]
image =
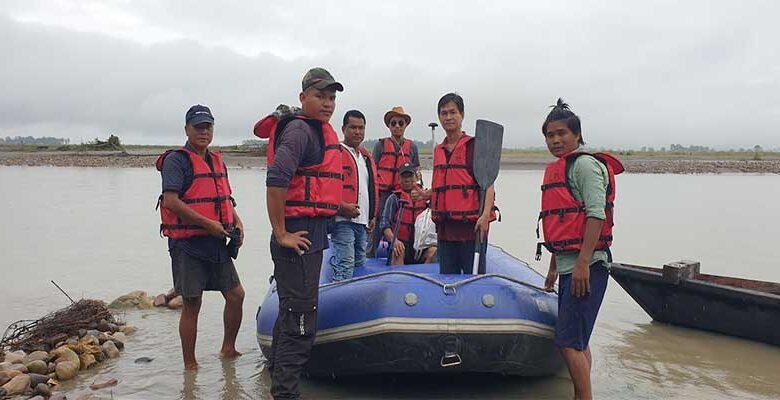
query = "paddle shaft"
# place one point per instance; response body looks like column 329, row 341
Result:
column 395, row 231
column 480, row 246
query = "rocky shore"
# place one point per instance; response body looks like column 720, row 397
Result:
column 671, row 164
column 57, row 347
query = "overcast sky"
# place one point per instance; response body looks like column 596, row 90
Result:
column 638, row 73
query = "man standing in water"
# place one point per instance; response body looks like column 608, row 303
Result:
column 454, row 192
column 390, row 154
column 578, row 196
column 198, row 213
column 303, row 193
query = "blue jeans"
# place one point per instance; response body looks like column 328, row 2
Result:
column 349, row 248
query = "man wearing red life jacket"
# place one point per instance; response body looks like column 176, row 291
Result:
column 454, row 192
column 578, row 196
column 403, row 251
column 304, row 189
column 390, row 153
column 198, row 213
column 357, row 216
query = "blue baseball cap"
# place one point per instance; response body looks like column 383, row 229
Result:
column 198, row 114
column 407, row 169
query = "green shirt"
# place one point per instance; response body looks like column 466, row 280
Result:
column 589, row 179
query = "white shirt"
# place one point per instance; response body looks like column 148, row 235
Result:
column 363, row 200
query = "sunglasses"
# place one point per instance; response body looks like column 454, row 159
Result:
column 397, row 122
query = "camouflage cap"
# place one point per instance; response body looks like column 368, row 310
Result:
column 320, row 78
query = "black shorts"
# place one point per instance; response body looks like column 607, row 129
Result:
column 193, row 275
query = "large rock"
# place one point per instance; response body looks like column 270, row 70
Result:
column 90, row 340
column 15, row 357
column 128, row 329
column 103, row 337
column 176, row 303
column 18, row 385
column 64, row 353
column 160, row 301
column 36, row 379
column 87, row 360
column 119, row 337
column 66, row 370
column 17, row 367
column 5, row 376
column 110, row 349
column 35, row 356
column 38, row 367
column 137, row 299
column 58, row 396
column 5, row 366
column 11, row 374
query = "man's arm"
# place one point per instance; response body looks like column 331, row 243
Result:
column 288, row 155
column 483, row 222
column 173, row 183
column 239, row 225
column 415, row 156
column 386, row 223
column 378, row 147
column 172, row 202
column 590, row 180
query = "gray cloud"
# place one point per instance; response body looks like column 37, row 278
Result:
column 638, row 74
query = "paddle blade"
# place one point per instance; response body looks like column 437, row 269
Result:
column 489, row 138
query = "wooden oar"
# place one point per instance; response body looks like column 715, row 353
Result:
column 395, row 231
column 489, row 137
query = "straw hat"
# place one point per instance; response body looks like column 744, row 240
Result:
column 397, row 111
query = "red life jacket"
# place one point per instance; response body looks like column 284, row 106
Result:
column 314, row 191
column 209, row 195
column 352, row 181
column 563, row 217
column 390, row 161
column 454, row 192
column 409, row 215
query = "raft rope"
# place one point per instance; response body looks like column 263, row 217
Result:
column 448, row 288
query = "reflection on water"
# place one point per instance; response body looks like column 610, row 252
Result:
column 100, row 240
column 675, row 358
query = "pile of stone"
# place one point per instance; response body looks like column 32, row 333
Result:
column 140, row 300
column 39, row 372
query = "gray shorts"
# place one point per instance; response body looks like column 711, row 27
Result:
column 193, row 275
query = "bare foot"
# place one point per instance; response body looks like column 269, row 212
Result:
column 232, row 353
column 191, row 366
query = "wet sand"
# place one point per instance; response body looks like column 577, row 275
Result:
column 666, row 164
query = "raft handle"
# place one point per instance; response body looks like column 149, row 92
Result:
column 450, row 360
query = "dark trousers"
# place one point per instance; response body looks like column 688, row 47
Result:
column 297, row 283
column 376, row 235
column 455, row 257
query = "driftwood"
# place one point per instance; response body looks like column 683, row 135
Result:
column 46, row 332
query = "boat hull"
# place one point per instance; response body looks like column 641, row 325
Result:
column 731, row 306
column 413, row 320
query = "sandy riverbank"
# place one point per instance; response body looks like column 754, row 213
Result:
column 667, row 164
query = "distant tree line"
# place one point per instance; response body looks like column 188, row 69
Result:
column 46, row 140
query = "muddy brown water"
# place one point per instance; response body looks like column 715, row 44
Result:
column 94, row 231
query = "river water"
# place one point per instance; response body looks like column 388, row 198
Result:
column 94, row 231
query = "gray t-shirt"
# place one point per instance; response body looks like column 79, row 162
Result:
column 589, row 179
column 299, row 144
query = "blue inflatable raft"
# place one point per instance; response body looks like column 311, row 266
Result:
column 411, row 319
